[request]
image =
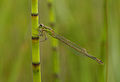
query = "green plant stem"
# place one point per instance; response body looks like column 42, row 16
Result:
column 55, row 55
column 106, row 36
column 35, row 43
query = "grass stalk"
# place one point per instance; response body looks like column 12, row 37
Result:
column 55, row 55
column 35, row 43
column 106, row 29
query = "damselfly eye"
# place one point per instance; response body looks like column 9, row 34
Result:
column 42, row 25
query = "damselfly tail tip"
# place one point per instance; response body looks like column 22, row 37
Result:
column 99, row 61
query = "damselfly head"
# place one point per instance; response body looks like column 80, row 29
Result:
column 41, row 25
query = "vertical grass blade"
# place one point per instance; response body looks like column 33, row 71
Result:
column 35, row 43
column 106, row 36
column 55, row 55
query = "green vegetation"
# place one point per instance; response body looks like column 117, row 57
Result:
column 55, row 56
column 35, row 43
column 94, row 25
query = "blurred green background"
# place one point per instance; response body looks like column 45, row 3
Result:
column 86, row 22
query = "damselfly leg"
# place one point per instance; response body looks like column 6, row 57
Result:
column 41, row 33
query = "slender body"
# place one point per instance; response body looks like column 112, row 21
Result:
column 69, row 43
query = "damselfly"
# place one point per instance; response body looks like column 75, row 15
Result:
column 83, row 51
